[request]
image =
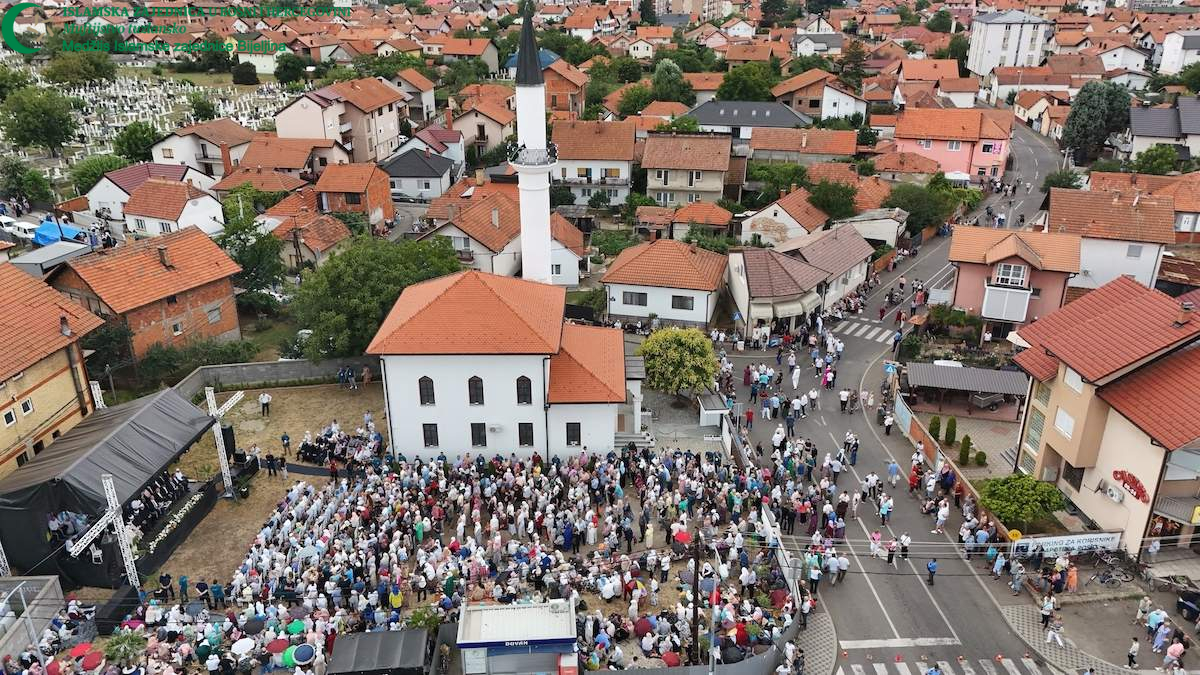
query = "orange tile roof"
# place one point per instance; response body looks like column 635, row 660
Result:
column 162, row 198
column 318, row 231
column 700, row 152
column 440, row 208
column 796, row 205
column 805, row 79
column 218, row 131
column 589, row 367
column 562, row 231
column 1044, row 250
column 347, row 177
column 1185, row 189
column 667, row 263
column 959, row 84
column 594, row 140
column 367, row 94
column 416, row 79
column 268, row 180
column 569, row 72
column 703, row 213
column 806, row 141
column 750, row 52
column 949, row 124
column 473, row 312
column 704, row 81
column 655, row 216
column 834, row 172
column 929, row 69
column 30, row 311
column 1112, row 215
column 130, row 276
column 664, row 109
column 465, row 46
column 1161, row 398
column 272, row 152
column 493, row 221
column 491, row 109
column 304, row 199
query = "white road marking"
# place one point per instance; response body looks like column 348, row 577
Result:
column 944, row 666
column 921, row 667
column 886, row 336
column 857, row 669
column 966, row 667
column 899, row 643
column 880, row 669
column 1011, row 667
column 864, row 329
column 874, row 332
column 902, row 668
column 1031, row 666
column 988, row 668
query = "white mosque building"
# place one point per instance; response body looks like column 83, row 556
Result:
column 479, row 363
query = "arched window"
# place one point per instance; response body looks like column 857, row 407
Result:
column 425, row 388
column 524, row 391
column 475, row 390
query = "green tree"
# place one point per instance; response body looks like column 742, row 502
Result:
column 774, row 178
column 1099, row 109
column 465, row 72
column 12, row 80
column 748, row 82
column 803, row 64
column 595, row 299
column 1105, row 164
column 951, row 432
column 124, row 648
column 599, row 200
column 706, row 239
column 135, row 141
column 679, row 360
column 1065, row 178
column 689, row 56
column 854, row 57
column 76, row 68
column 561, row 195
column 354, row 221
column 940, row 22
column 646, row 10
column 964, row 451
column 835, row 199
column 214, row 60
column 346, row 299
column 612, row 242
column 1190, row 77
column 682, row 125
column 625, row 69
column 1019, row 499
column 935, row 427
column 629, row 211
column 109, row 346
column 668, row 84
column 634, row 99
column 257, row 252
column 37, row 117
column 244, row 73
column 18, row 179
column 1158, row 160
column 291, row 68
column 203, row 108
column 925, row 207
column 772, row 11
column 89, row 171
column 907, row 16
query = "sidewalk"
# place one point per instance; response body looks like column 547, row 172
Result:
column 819, row 642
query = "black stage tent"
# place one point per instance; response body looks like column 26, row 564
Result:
column 384, row 653
column 134, row 442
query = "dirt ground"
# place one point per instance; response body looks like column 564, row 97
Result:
column 220, row 541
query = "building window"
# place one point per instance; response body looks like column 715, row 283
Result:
column 987, row 147
column 478, row 435
column 168, row 153
column 1073, row 380
column 353, row 198
column 1187, row 222
column 425, row 185
column 1035, row 292
column 573, row 433
column 524, row 391
column 525, row 434
column 954, row 146
column 140, row 224
column 633, row 298
column 164, row 226
column 683, row 302
column 429, row 432
column 1008, row 274
column 425, row 391
column 612, row 173
column 925, row 143
column 661, row 175
column 1073, row 475
column 26, row 406
column 475, row 390
column 1133, row 251
column 1042, row 393
column 214, row 315
column 1064, row 423
column 10, row 417
column 1033, row 433
column 176, row 329
column 21, row 459
column 556, row 269
column 693, row 197
column 172, row 299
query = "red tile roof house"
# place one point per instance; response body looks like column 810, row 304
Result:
column 967, row 143
column 160, row 206
column 677, row 283
column 357, row 188
column 214, row 147
column 475, row 360
column 109, row 195
column 168, row 290
column 363, row 115
column 1111, row 418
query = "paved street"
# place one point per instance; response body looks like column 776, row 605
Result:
column 1034, row 156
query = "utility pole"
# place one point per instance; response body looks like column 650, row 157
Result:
column 296, row 244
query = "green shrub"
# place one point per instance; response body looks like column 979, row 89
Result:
column 981, row 458
column 951, row 432
column 168, row 364
column 612, row 242
column 964, row 450
column 881, row 250
column 935, row 428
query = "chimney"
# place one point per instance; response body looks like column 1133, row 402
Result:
column 1116, row 197
column 163, row 257
column 479, row 176
column 427, row 152
column 1184, row 318
column 804, row 140
column 692, row 247
column 63, row 326
column 226, row 160
column 451, row 211
column 793, row 188
column 495, row 217
column 782, row 193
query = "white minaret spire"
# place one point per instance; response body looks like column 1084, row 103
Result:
column 533, row 158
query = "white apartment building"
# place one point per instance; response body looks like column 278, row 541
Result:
column 1009, row 38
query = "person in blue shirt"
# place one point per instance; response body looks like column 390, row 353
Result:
column 932, row 567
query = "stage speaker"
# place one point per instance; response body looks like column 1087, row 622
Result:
column 230, row 443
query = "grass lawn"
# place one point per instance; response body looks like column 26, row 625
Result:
column 198, row 79
column 267, row 333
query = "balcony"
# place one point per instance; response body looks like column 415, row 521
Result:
column 519, row 155
column 345, row 128
column 576, row 180
column 465, row 257
column 1005, row 303
column 349, row 145
column 205, row 157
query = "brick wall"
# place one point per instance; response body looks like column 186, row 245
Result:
column 376, row 204
column 156, row 322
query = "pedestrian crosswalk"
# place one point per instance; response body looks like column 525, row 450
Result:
column 1023, row 666
column 866, row 329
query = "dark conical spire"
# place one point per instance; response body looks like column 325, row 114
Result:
column 529, row 66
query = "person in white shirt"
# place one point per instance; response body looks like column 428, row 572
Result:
column 264, row 402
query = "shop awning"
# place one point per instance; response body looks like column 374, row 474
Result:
column 798, row 307
column 967, row 379
column 1185, row 510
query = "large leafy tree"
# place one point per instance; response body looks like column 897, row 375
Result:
column 203, row 108
column 679, row 360
column 255, row 250
column 925, row 207
column 774, row 178
column 668, row 84
column 1158, row 160
column 634, row 99
column 18, row 179
column 345, row 300
column 835, row 199
column 646, row 10
column 89, row 171
column 135, row 141
column 689, row 56
column 940, row 22
column 1099, row 109
column 290, row 68
column 75, row 68
column 12, row 80
column 749, row 82
column 803, row 64
column 1190, row 77
column 957, row 50
column 244, row 73
column 1064, row 178
column 37, row 117
column 1019, row 499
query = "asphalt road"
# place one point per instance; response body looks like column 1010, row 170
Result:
column 1034, row 156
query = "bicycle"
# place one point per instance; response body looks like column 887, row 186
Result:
column 1110, row 577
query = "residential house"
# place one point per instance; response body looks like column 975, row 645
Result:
column 653, row 221
column 838, row 100
column 965, row 143
column 870, row 191
column 878, row 226
column 42, row 379
column 927, row 70
column 740, row 54
column 1108, row 419
column 641, row 49
column 568, row 255
column 303, row 158
column 740, row 119
column 420, row 89
column 1123, row 234
column 961, row 91
column 1177, row 126
column 905, row 167
column 485, row 233
column 1011, row 278
column 486, row 124
column 160, row 206
column 418, row 174
column 564, row 87
column 214, row 147
column 168, row 290
column 704, row 215
column 817, row 44
column 685, row 168
column 1180, row 49
column 1184, row 191
column 439, row 140
column 1011, row 80
column 677, row 282
column 108, row 196
column 263, row 53
column 805, row 92
column 803, row 146
column 456, row 49
column 841, row 253
column 310, row 238
column 705, row 85
column 770, row 288
column 267, row 180
column 1006, row 38
column 787, row 218
column 595, row 157
column 466, row 345
column 363, row 115
column 1122, row 57
column 357, row 188
column 1079, row 67
column 738, row 28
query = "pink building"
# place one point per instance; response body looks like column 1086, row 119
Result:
column 964, row 142
column 1011, row 278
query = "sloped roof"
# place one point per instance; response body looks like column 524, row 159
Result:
column 1161, row 398
column 347, row 177
column 906, row 162
column 796, row 205
column 318, row 231
column 589, row 367
column 806, row 141
column 834, row 251
column 757, row 114
column 667, row 263
column 130, row 177
column 687, row 151
column 952, row 124
column 493, row 220
column 771, row 274
column 268, row 180
column 929, row 69
column 272, row 152
column 218, row 131
column 416, row 79
column 29, row 320
column 1112, row 215
column 130, row 276
column 417, row 163
column 703, row 213
column 367, row 94
column 562, row 231
column 594, row 140
column 473, row 312
column 805, row 79
column 162, row 198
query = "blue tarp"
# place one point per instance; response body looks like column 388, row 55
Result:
column 49, row 232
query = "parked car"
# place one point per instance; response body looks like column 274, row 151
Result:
column 18, row 229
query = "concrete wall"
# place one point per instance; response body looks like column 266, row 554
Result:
column 40, row 598
column 1102, row 260
column 658, row 302
column 267, row 374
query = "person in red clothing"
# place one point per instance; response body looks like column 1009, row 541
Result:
column 749, row 418
column 899, row 316
column 882, row 311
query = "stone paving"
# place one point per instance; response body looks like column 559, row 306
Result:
column 819, row 642
column 1026, row 621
